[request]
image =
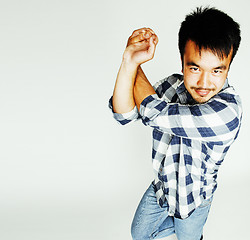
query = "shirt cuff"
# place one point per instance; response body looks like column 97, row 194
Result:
column 124, row 118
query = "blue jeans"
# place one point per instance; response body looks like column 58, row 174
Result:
column 152, row 222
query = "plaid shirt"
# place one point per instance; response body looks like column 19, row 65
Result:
column 190, row 141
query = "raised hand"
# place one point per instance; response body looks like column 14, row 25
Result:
column 140, row 47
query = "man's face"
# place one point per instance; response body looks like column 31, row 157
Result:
column 204, row 72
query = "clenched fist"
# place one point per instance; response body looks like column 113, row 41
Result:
column 140, row 47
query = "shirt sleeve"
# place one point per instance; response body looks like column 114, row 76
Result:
column 217, row 120
column 124, row 118
column 166, row 88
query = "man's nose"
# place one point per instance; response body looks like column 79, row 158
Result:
column 204, row 81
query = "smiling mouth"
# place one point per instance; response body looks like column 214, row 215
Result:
column 202, row 92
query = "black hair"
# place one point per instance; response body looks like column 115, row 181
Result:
column 210, row 29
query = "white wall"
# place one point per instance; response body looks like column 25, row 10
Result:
column 68, row 170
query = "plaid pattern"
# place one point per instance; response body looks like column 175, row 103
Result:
column 190, row 141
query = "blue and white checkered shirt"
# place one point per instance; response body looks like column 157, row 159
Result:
column 190, row 141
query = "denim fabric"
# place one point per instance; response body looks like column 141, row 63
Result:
column 152, row 221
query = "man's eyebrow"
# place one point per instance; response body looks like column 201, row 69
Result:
column 222, row 67
column 192, row 64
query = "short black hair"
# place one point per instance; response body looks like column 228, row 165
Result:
column 210, row 29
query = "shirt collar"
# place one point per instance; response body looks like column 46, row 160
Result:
column 181, row 87
column 226, row 84
column 183, row 94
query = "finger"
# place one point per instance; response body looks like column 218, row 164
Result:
column 141, row 37
column 143, row 32
column 155, row 39
column 137, row 37
column 145, row 35
column 138, row 31
column 150, row 30
column 151, row 49
column 139, row 46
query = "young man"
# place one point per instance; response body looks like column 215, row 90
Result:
column 195, row 118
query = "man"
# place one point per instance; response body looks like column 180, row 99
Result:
column 195, row 118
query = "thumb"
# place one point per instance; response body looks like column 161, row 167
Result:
column 155, row 39
column 152, row 46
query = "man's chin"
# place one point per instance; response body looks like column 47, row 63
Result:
column 200, row 99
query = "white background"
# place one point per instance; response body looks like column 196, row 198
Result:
column 67, row 169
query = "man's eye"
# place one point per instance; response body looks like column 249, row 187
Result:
column 216, row 71
column 194, row 69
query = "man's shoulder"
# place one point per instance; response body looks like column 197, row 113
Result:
column 169, row 83
column 166, row 88
column 228, row 90
column 229, row 95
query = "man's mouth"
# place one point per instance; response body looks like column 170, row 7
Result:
column 202, row 92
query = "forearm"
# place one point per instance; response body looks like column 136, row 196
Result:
column 142, row 88
column 123, row 97
column 140, row 49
